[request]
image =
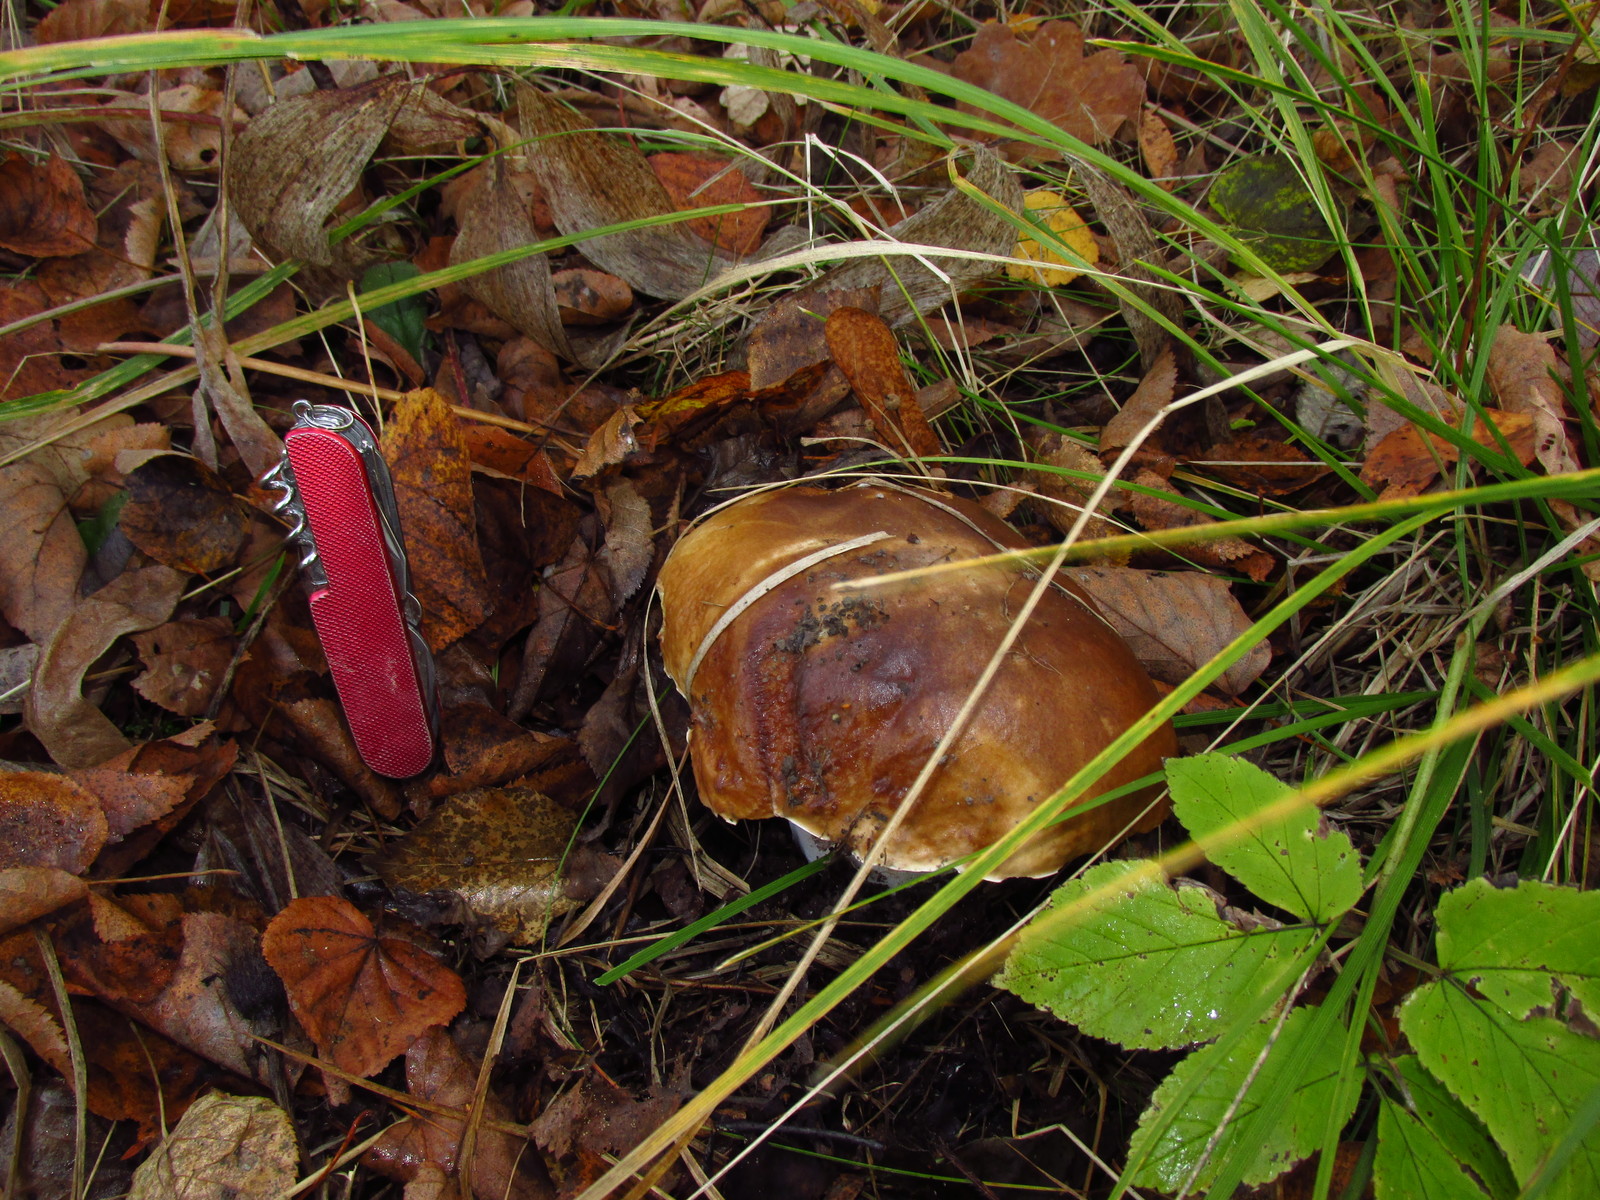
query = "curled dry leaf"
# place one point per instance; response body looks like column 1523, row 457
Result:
column 184, row 663
column 362, row 997
column 1174, row 621
column 791, row 334
column 42, row 210
column 905, row 285
column 29, row 892
column 72, row 730
column 1046, row 72
column 591, row 180
column 427, row 453
column 865, row 350
column 698, row 180
column 1522, row 370
column 183, row 514
column 225, row 1147
column 437, row 1071
column 499, row 849
column 48, row 821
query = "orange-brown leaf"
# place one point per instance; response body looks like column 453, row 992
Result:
column 185, row 662
column 1408, row 460
column 866, row 351
column 29, row 892
column 585, row 297
column 363, row 998
column 1159, row 150
column 698, row 180
column 42, row 210
column 1155, row 392
column 48, row 821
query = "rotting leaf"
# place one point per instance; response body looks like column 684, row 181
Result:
column 362, row 997
column 225, row 1147
column 629, row 547
column 71, row 729
column 48, row 820
column 1051, row 210
column 499, row 849
column 132, row 798
column 438, row 1071
column 427, row 452
column 182, row 514
column 1264, row 465
column 1046, row 72
column 43, row 213
column 591, row 180
column 185, row 662
column 1173, row 620
column 1271, row 210
column 865, row 350
column 699, row 180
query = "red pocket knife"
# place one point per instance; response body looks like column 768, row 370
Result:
column 339, row 494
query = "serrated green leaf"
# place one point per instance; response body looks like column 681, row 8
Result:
column 1287, row 861
column 1148, row 966
column 1524, row 1079
column 403, row 320
column 1509, row 941
column 1431, row 1148
column 1166, row 1164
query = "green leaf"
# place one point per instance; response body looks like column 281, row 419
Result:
column 403, row 320
column 96, row 529
column 1166, row 1164
column 1146, row 965
column 1509, row 941
column 1286, row 861
column 1430, row 1148
column 1524, row 1079
column 1270, row 209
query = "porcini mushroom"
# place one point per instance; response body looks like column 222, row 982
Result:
column 822, row 707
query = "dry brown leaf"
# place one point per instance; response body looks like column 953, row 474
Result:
column 437, row 1071
column 42, row 210
column 1159, row 150
column 609, row 446
column 629, row 546
column 591, row 180
column 1263, row 465
column 182, row 514
column 30, row 360
column 597, row 1117
column 586, row 297
column 1408, row 461
column 37, row 1026
column 362, row 997
column 42, row 555
column 499, row 849
column 76, row 20
column 1155, row 512
column 907, row 288
column 864, row 348
column 132, row 798
column 790, row 335
column 184, row 663
column 698, row 180
column 29, row 892
column 499, row 217
column 319, row 726
column 1155, row 392
column 225, row 1148
column 574, row 607
column 48, row 821
column 500, row 452
column 1070, row 495
column 193, row 146
column 1522, row 376
column 428, row 454
column 1045, row 71
column 71, row 729
column 1174, row 621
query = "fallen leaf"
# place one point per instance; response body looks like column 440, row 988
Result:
column 906, row 287
column 30, row 892
column 1159, row 151
column 192, row 146
column 630, row 545
column 37, row 1026
column 1174, row 621
column 1052, row 211
column 1155, row 392
column 1157, row 512
column 574, row 608
column 1045, row 71
column 866, row 351
column 48, row 821
column 182, row 514
column 586, row 297
column 1263, row 465
column 76, row 20
column 427, row 453
column 591, row 179
column 184, row 663
column 31, row 359
column 1408, row 461
column 500, row 849
column 72, row 730
column 506, row 454
column 42, row 210
column 437, row 1071
column 42, row 556
column 1070, row 494
column 791, row 334
column 363, row 998
column 132, row 799
column 225, row 1148
column 597, row 1117
column 1521, row 375
column 483, row 747
column 319, row 727
column 699, row 180
column 609, row 446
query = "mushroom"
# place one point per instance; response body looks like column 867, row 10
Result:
column 822, row 706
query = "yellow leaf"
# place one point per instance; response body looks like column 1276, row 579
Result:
column 1059, row 217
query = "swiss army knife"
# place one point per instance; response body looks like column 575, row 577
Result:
column 340, row 497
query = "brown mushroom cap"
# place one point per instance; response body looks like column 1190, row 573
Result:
column 822, row 707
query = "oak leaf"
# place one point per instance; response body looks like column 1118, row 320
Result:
column 362, row 997
column 1046, row 72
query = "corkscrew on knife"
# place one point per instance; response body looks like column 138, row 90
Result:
column 340, row 498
